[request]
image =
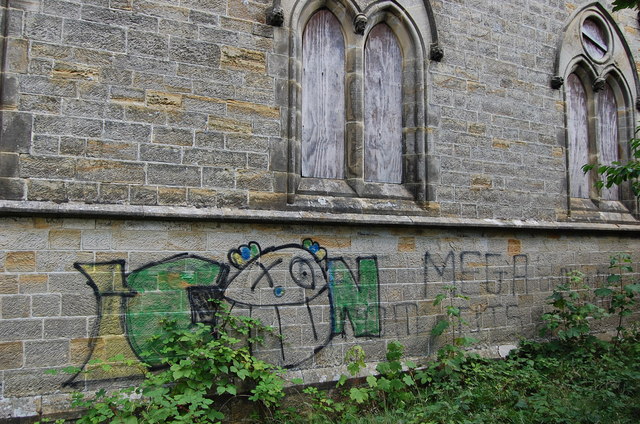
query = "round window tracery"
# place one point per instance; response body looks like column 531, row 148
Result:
column 595, row 38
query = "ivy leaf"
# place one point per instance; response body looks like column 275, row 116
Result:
column 440, row 327
column 603, row 292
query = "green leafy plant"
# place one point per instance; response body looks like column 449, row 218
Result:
column 202, row 368
column 394, row 383
column 621, row 292
column 570, row 318
column 617, row 172
column 625, row 4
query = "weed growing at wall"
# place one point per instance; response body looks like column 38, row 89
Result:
column 620, row 290
column 572, row 311
column 203, row 367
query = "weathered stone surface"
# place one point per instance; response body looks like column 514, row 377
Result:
column 11, row 356
column 243, row 59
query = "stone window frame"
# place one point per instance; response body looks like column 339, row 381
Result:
column 356, row 25
column 615, row 69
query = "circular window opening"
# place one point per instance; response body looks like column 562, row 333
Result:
column 594, row 38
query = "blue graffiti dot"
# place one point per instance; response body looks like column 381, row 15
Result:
column 278, row 291
column 245, row 252
column 314, row 247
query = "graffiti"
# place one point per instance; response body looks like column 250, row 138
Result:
column 357, row 301
column 295, row 288
column 305, row 295
column 493, row 271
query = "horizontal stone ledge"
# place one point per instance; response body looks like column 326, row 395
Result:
column 82, row 210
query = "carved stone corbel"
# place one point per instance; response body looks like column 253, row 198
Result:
column 599, row 84
column 275, row 14
column 360, row 23
column 436, row 52
column 556, row 82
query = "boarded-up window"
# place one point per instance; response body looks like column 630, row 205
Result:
column 383, row 106
column 608, row 140
column 323, row 97
column 578, row 133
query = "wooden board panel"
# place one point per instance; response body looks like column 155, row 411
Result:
column 383, row 107
column 323, row 97
column 578, row 134
column 608, row 137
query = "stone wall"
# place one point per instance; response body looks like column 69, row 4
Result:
column 148, row 160
column 70, row 287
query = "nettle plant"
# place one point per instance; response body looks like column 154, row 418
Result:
column 620, row 289
column 204, row 368
column 572, row 313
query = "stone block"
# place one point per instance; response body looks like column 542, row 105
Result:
column 43, row 27
column 166, row 154
column 202, row 197
column 9, row 164
column 194, row 52
column 159, row 99
column 243, row 59
column 209, row 139
column 113, row 193
column 65, row 328
column 15, row 135
column 45, row 305
column 32, row 283
column 147, row 44
column 20, row 261
column 172, row 196
column 85, row 192
column 46, row 167
column 250, row 109
column 112, row 150
column 223, row 124
column 204, row 104
column 78, row 127
column 46, row 353
column 110, row 172
column 12, row 307
column 64, row 239
column 11, row 356
column 143, row 195
column 8, row 284
column 20, row 329
column 214, row 157
column 218, row 177
column 20, row 383
column 173, row 175
column 174, row 136
column 123, row 131
column 95, row 36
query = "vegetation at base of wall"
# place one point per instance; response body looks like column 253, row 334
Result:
column 544, row 383
column 573, row 378
column 204, row 367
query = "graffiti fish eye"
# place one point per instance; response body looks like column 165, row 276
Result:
column 278, row 291
column 302, row 273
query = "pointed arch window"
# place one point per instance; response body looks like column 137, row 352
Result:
column 600, row 83
column 383, row 112
column 323, row 99
column 357, row 113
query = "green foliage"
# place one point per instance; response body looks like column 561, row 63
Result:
column 625, row 4
column 620, row 292
column 453, row 319
column 572, row 314
column 202, row 367
column 618, row 172
column 584, row 382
